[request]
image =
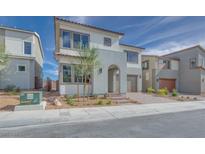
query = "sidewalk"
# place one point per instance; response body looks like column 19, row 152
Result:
column 31, row 118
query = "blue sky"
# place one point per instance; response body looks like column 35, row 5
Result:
column 159, row 35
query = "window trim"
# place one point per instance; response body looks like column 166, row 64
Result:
column 63, row 73
column 21, row 65
column 61, row 39
column 190, row 63
column 72, row 39
column 105, row 43
column 137, row 57
column 24, row 47
column 147, row 61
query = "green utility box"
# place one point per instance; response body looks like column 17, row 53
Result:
column 30, row 97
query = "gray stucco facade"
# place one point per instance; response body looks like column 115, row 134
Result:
column 11, row 76
column 191, row 80
column 108, row 58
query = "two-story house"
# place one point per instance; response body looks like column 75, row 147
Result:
column 191, row 69
column 24, row 68
column 160, row 72
column 120, row 65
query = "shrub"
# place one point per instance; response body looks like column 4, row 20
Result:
column 70, row 100
column 162, row 92
column 166, row 91
column 99, row 102
column 10, row 88
column 174, row 93
column 108, row 102
column 150, row 90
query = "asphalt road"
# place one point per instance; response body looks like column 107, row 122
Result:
column 183, row 124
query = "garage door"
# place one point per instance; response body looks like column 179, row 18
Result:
column 132, row 83
column 170, row 84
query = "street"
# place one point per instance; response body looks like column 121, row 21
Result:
column 181, row 124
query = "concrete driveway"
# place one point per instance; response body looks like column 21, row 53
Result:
column 148, row 98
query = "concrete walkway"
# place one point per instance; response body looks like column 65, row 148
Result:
column 31, row 118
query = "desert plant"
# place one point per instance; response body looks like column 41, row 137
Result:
column 108, row 102
column 99, row 102
column 162, row 92
column 70, row 100
column 10, row 88
column 150, row 90
column 88, row 59
column 174, row 93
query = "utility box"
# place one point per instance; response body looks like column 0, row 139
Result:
column 30, row 97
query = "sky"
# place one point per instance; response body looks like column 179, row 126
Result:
column 158, row 35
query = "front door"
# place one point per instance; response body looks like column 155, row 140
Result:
column 132, row 83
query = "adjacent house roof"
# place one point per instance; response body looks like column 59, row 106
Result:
column 196, row 46
column 90, row 26
column 132, row 46
column 24, row 31
column 161, row 57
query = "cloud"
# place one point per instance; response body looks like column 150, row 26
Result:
column 80, row 19
column 53, row 64
column 192, row 29
column 172, row 46
column 52, row 72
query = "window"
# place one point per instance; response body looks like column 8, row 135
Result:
column 66, row 73
column 145, row 65
column 132, row 57
column 192, row 62
column 65, row 39
column 85, row 41
column 107, row 41
column 80, row 41
column 21, row 68
column 27, row 48
column 76, row 41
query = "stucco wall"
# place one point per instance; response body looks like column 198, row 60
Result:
column 108, row 58
column 96, row 36
column 165, row 74
column 11, row 76
column 189, row 79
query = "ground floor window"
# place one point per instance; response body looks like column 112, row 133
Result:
column 72, row 74
column 66, row 73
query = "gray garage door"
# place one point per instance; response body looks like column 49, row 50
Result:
column 132, row 83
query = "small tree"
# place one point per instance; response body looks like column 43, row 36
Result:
column 78, row 76
column 88, row 62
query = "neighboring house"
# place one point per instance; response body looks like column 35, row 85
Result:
column 120, row 65
column 160, row 72
column 24, row 69
column 191, row 69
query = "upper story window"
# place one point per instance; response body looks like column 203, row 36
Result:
column 192, row 62
column 145, row 65
column 107, row 41
column 75, row 40
column 132, row 57
column 165, row 64
column 66, row 39
column 27, row 48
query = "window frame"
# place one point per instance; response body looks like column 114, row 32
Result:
column 61, row 36
column 72, row 39
column 190, row 64
column 108, row 38
column 147, row 61
column 137, row 60
column 67, row 65
column 21, row 65
column 25, row 41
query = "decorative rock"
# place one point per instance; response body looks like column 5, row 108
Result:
column 57, row 102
